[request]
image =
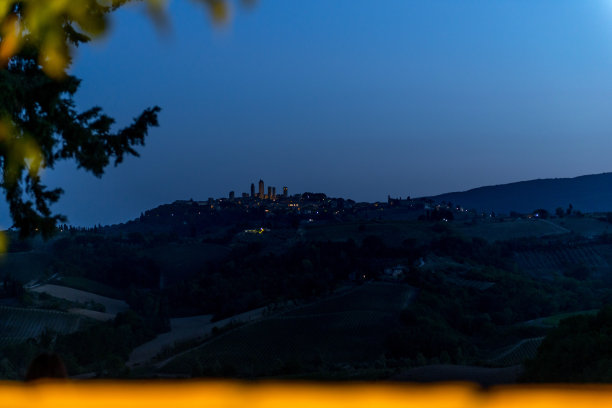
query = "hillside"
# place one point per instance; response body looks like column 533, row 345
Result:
column 591, row 193
column 354, row 292
column 343, row 332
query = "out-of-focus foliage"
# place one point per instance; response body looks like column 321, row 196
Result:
column 38, row 120
column 53, row 26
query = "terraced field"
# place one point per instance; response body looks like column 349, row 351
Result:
column 588, row 226
column 518, row 353
column 553, row 260
column 494, row 230
column 19, row 324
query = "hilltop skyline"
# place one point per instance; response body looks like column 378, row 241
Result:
column 585, row 193
column 345, row 98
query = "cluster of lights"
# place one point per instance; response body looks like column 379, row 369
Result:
column 255, row 231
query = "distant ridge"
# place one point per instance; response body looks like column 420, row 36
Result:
column 590, row 193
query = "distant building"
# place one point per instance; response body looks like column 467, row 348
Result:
column 232, row 195
column 274, row 193
column 399, row 202
column 253, row 190
column 285, row 192
column 269, row 192
column 395, row 273
column 261, row 189
column 245, row 195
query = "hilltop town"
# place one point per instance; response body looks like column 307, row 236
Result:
column 308, row 207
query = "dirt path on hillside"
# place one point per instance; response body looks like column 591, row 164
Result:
column 279, row 314
column 184, row 329
column 181, row 329
column 191, row 328
column 563, row 229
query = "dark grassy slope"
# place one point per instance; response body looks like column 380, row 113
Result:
column 592, row 193
column 349, row 329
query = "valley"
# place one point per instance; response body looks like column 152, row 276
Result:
column 339, row 298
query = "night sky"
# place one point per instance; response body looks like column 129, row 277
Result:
column 356, row 99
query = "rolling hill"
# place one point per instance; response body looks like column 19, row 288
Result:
column 590, row 193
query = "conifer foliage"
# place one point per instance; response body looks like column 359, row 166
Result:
column 39, row 122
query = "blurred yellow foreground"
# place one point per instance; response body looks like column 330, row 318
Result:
column 229, row 394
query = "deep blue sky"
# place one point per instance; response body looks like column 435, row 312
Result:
column 353, row 98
